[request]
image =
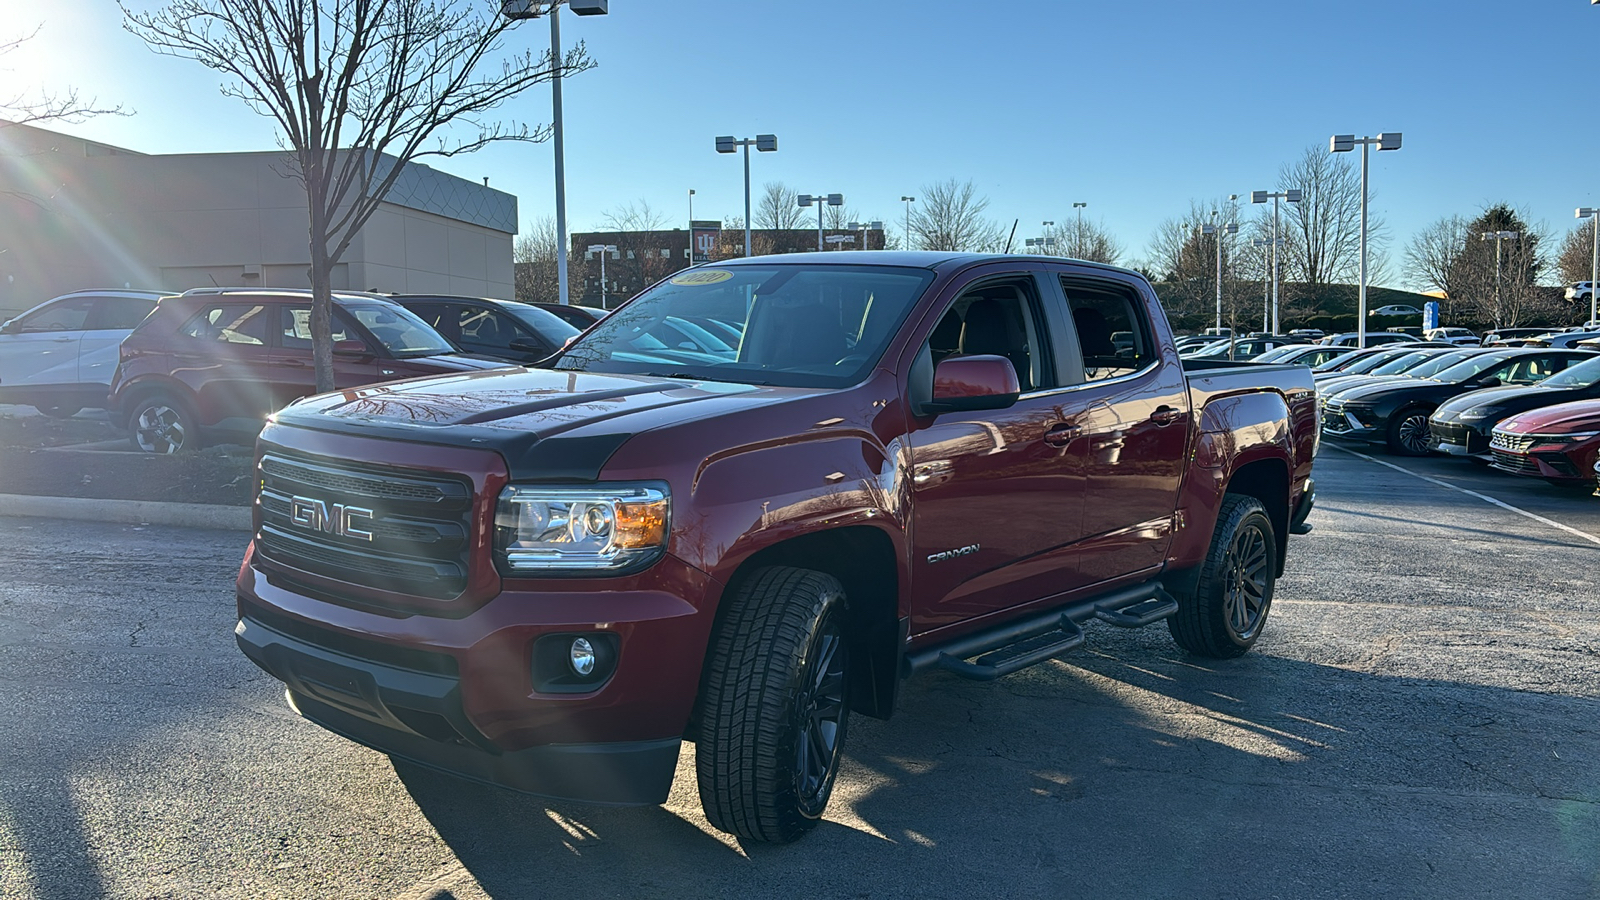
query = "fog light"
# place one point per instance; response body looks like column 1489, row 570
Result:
column 581, row 656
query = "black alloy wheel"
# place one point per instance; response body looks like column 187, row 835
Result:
column 1409, row 434
column 1247, row 581
column 1225, row 615
column 821, row 718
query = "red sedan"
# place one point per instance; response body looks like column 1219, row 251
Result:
column 1557, row 443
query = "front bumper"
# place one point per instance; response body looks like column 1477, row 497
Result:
column 464, row 694
column 1346, row 423
column 1458, row 439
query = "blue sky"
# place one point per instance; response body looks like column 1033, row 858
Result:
column 1133, row 107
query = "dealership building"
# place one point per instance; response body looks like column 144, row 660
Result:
column 76, row 214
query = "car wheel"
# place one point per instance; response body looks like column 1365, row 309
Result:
column 1224, row 616
column 162, row 424
column 59, row 412
column 774, row 705
column 1408, row 433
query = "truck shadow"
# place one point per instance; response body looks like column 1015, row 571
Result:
column 1159, row 773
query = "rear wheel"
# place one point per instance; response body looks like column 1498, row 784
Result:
column 161, row 423
column 1408, row 433
column 62, row 411
column 1223, row 618
column 774, row 705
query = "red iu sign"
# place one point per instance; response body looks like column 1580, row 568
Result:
column 704, row 235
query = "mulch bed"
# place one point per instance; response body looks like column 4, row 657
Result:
column 37, row 457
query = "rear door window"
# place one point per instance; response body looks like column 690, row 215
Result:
column 120, row 313
column 1112, row 331
column 230, row 323
column 68, row 315
column 295, row 333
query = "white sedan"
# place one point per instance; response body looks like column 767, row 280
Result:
column 60, row 355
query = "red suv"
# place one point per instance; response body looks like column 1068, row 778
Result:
column 218, row 361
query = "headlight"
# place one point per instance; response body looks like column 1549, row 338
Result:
column 1477, row 412
column 600, row 529
column 1574, row 438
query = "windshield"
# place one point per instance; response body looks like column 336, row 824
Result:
column 400, row 331
column 1441, row 362
column 790, row 325
column 1363, row 366
column 1402, row 363
column 548, row 326
column 1581, row 375
column 1472, row 367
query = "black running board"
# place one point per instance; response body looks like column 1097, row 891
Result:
column 1017, row 645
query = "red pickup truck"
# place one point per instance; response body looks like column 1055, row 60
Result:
column 751, row 502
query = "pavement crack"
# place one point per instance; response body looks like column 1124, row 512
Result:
column 133, row 639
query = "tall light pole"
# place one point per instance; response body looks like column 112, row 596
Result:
column 528, row 9
column 691, row 226
column 1077, row 237
column 908, row 201
column 1593, row 212
column 1292, row 195
column 865, row 227
column 766, row 143
column 1344, row 143
column 821, row 200
column 1219, row 231
column 1498, row 237
column 1266, row 281
column 602, row 249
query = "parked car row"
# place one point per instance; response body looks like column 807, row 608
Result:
column 1526, row 410
column 180, row 369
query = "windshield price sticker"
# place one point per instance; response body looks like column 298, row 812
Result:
column 695, row 279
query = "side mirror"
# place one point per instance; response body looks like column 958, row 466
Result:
column 1489, row 382
column 351, row 349
column 10, row 326
column 969, row 383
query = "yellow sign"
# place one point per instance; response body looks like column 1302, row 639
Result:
column 700, row 277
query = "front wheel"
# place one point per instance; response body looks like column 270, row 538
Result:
column 774, row 705
column 1408, row 433
column 1223, row 618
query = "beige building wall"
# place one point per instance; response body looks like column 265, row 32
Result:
column 75, row 214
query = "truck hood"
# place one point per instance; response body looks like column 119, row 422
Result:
column 553, row 424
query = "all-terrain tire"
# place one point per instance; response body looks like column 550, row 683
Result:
column 774, row 704
column 1224, row 616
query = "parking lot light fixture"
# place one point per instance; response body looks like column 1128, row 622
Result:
column 1344, row 143
column 1593, row 213
column 765, row 143
column 865, row 227
column 602, row 249
column 1219, row 231
column 1045, row 245
column 1291, row 195
column 1498, row 237
column 527, row 9
column 821, row 200
column 908, row 201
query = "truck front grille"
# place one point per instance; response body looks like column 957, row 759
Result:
column 418, row 523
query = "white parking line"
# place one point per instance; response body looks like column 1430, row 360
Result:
column 1484, row 497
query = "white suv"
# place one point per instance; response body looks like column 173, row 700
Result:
column 1580, row 291
column 59, row 356
column 1461, row 337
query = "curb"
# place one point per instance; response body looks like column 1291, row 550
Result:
column 128, row 512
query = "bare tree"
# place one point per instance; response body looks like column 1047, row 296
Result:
column 640, row 258
column 534, row 253
column 65, row 105
column 1504, row 289
column 779, row 208
column 640, row 216
column 950, row 216
column 358, row 90
column 1322, row 233
column 1434, row 262
column 1185, row 259
column 1085, row 240
column 838, row 216
column 1576, row 261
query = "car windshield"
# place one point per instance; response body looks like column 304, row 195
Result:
column 1471, row 368
column 1402, row 363
column 1441, row 362
column 1363, row 366
column 1277, row 353
column 548, row 326
column 1581, row 375
column 789, row 325
column 400, row 331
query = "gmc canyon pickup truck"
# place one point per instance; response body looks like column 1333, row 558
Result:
column 751, row 502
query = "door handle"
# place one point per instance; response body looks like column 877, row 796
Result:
column 61, row 340
column 1061, row 434
column 294, row 363
column 1166, row 415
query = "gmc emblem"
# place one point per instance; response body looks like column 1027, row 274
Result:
column 338, row 519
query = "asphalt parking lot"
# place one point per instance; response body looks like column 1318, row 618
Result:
column 1421, row 719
